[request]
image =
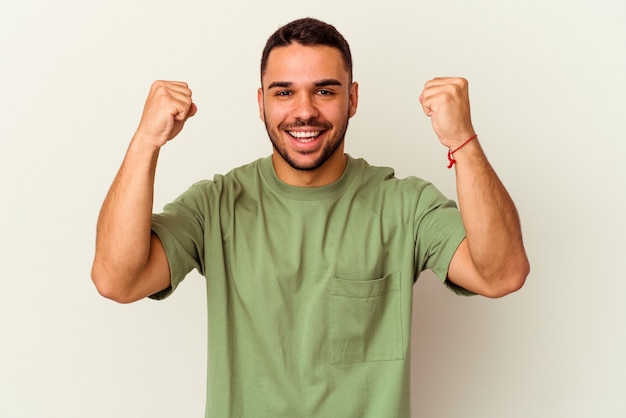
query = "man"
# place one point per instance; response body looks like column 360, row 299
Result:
column 309, row 255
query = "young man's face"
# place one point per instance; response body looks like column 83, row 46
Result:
column 306, row 100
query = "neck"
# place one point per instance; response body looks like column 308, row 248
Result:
column 327, row 173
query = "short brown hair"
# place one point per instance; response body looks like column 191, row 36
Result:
column 308, row 32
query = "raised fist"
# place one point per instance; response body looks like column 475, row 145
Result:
column 446, row 102
column 168, row 106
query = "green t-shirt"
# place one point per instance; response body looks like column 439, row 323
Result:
column 309, row 290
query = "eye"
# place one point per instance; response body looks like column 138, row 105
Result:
column 324, row 92
column 283, row 93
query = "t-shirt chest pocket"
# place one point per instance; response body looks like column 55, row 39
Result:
column 365, row 320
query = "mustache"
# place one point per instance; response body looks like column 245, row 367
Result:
column 311, row 123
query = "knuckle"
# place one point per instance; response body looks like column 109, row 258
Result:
column 158, row 83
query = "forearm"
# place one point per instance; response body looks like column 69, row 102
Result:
column 491, row 221
column 124, row 225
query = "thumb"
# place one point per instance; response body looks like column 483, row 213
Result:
column 192, row 110
column 183, row 116
column 425, row 106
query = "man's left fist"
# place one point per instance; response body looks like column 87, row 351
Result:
column 446, row 101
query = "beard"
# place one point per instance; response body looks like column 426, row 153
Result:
column 329, row 149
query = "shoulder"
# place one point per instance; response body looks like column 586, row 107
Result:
column 207, row 193
column 385, row 179
column 236, row 179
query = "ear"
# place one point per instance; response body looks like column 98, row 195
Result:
column 354, row 98
column 259, row 99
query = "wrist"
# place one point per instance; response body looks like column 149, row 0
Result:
column 470, row 156
column 451, row 152
column 145, row 143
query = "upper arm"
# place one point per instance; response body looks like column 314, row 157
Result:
column 155, row 276
column 152, row 278
column 463, row 272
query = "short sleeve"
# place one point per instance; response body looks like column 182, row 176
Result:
column 438, row 233
column 180, row 227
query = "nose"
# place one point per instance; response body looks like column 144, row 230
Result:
column 304, row 108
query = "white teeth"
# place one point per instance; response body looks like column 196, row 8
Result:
column 305, row 136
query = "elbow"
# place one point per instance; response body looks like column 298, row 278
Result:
column 108, row 287
column 510, row 281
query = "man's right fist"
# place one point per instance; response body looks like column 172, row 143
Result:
column 168, row 106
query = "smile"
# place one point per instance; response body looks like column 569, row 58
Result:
column 306, row 136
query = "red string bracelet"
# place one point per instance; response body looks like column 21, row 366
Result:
column 452, row 160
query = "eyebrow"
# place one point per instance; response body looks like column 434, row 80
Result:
column 321, row 83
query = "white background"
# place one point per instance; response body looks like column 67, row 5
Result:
column 548, row 88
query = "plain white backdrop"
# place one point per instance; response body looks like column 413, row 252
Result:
column 548, row 89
